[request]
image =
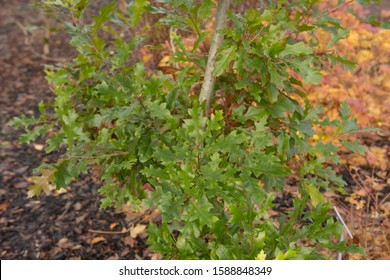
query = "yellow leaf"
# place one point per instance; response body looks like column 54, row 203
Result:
column 113, row 225
column 261, row 256
column 364, row 56
column 165, row 61
column 41, row 183
column 360, row 205
column 299, row 134
column 146, row 54
column 48, row 173
column 315, row 195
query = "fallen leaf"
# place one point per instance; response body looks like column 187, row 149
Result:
column 165, row 61
column 146, row 54
column 136, row 230
column 377, row 157
column 21, row 170
column 382, row 174
column 364, row 56
column 146, row 253
column 113, row 225
column 129, row 241
column 374, row 215
column 38, row 147
column 62, row 241
column 115, row 257
column 97, row 240
column 361, row 192
column 65, row 243
column 378, row 187
column 156, row 256
column 151, row 217
column 77, row 247
column 385, row 207
column 358, row 161
column 77, row 206
column 360, row 204
column 81, row 218
column 125, row 252
column 4, row 206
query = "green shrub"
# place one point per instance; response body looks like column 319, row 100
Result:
column 215, row 167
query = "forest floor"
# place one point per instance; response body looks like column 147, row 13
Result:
column 69, row 224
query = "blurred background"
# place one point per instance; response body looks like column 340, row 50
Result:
column 69, row 224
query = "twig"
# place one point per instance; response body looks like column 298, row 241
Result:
column 108, row 232
column 96, row 157
column 172, row 43
column 387, row 243
column 340, row 254
column 335, row 9
column 33, row 51
column 359, row 182
column 384, row 199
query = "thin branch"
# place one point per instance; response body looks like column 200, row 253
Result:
column 335, row 9
column 342, row 222
column 209, row 80
column 108, row 232
column 384, row 199
column 172, row 43
column 27, row 41
column 96, row 157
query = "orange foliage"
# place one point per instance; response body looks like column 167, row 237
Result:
column 367, row 88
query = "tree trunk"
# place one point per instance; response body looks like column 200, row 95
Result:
column 206, row 92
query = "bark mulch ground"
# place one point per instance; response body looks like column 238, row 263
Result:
column 65, row 225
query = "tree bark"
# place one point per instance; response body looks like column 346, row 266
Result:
column 206, row 92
